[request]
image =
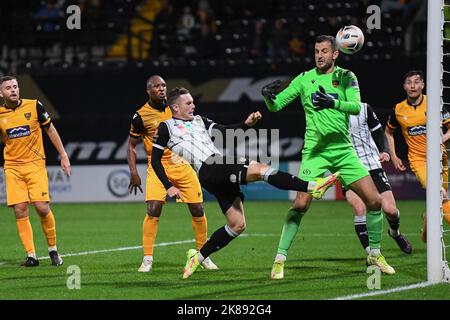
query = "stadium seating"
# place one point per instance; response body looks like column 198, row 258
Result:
column 227, row 36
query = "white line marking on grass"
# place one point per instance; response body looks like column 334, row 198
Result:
column 162, row 244
column 377, row 293
column 306, row 235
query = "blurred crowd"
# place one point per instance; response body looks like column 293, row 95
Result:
column 200, row 31
column 276, row 30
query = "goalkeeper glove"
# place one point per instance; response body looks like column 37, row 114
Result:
column 270, row 91
column 323, row 100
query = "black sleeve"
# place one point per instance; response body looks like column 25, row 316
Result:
column 372, row 119
column 392, row 120
column 157, row 153
column 43, row 116
column 209, row 125
column 380, row 140
column 376, row 130
column 137, row 126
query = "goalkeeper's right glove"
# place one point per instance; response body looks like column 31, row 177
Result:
column 323, row 100
column 270, row 91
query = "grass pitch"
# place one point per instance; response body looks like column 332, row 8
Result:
column 326, row 260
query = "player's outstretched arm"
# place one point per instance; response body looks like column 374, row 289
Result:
column 135, row 180
column 275, row 100
column 57, row 143
column 253, row 118
column 269, row 93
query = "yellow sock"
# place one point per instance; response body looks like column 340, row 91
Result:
column 26, row 234
column 446, row 210
column 149, row 231
column 200, row 226
column 49, row 228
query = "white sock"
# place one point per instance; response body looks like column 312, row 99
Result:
column 375, row 252
column 367, row 250
column 52, row 249
column 311, row 186
column 200, row 257
column 280, row 257
column 148, row 259
column 32, row 255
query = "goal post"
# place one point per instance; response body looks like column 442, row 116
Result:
column 437, row 267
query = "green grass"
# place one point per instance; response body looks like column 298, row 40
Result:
column 326, row 260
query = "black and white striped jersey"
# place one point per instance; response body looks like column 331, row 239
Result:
column 190, row 139
column 361, row 127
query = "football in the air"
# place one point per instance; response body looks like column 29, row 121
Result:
column 350, row 39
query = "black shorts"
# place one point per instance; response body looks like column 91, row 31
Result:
column 379, row 179
column 224, row 180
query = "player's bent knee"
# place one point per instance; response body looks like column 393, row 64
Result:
column 21, row 210
column 154, row 213
column 239, row 227
column 196, row 210
column 42, row 208
column 237, row 224
column 154, row 209
column 300, row 205
column 374, row 204
column 256, row 171
column 390, row 210
column 359, row 211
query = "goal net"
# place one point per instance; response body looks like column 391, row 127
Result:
column 438, row 93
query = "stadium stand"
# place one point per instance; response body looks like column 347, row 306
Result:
column 186, row 32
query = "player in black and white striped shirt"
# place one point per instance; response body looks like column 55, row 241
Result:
column 371, row 146
column 189, row 136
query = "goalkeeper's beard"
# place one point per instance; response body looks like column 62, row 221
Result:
column 326, row 67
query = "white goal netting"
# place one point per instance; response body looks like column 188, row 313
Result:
column 445, row 103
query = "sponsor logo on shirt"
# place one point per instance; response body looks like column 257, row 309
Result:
column 354, row 83
column 18, row 132
column 417, row 130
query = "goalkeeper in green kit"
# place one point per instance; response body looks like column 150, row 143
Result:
column 329, row 94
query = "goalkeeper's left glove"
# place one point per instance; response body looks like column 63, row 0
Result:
column 323, row 100
column 270, row 91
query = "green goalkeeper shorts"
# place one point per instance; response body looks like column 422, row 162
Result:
column 314, row 165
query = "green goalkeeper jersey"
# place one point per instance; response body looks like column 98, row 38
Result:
column 326, row 129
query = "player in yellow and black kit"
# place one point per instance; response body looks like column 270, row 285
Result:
column 411, row 116
column 21, row 123
column 144, row 126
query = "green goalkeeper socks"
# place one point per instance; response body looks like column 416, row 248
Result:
column 374, row 221
column 290, row 229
